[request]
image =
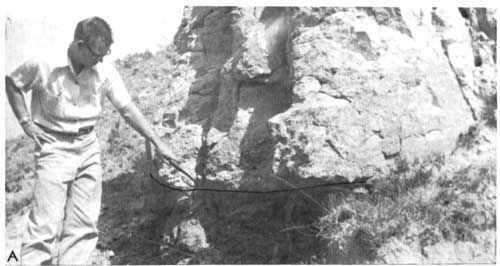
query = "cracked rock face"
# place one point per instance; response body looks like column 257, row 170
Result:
column 368, row 91
column 271, row 95
column 327, row 93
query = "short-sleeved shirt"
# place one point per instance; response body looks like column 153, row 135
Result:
column 65, row 101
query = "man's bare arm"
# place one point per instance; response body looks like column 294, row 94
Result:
column 18, row 105
column 136, row 119
column 16, row 99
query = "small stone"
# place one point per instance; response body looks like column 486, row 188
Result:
column 190, row 235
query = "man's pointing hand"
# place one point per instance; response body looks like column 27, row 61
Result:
column 165, row 153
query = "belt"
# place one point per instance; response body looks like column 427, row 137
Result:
column 81, row 131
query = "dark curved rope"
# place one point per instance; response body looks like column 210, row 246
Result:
column 253, row 191
column 177, row 167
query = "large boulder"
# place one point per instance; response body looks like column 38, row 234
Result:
column 327, row 94
column 366, row 93
column 272, row 97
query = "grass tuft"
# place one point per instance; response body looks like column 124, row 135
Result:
column 413, row 205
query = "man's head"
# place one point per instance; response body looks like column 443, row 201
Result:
column 91, row 42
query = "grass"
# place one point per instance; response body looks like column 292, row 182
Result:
column 413, row 205
column 19, row 174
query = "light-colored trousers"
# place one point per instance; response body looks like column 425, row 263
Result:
column 62, row 224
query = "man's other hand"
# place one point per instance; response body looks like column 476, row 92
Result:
column 36, row 133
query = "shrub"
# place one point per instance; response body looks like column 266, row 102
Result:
column 413, row 206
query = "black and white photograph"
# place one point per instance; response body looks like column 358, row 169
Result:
column 155, row 133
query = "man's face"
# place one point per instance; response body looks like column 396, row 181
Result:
column 93, row 51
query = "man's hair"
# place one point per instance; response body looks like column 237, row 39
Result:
column 93, row 28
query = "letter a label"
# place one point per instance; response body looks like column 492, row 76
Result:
column 12, row 256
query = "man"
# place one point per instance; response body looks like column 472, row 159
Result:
column 66, row 102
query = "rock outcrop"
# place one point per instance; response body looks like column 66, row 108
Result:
column 271, row 96
column 327, row 93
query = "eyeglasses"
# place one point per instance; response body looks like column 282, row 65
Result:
column 95, row 55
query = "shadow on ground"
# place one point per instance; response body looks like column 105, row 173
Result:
column 126, row 227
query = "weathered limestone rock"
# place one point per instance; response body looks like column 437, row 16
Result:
column 365, row 94
column 328, row 93
column 312, row 95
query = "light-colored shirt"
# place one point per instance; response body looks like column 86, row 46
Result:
column 65, row 101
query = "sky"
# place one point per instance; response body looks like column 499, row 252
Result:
column 44, row 29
